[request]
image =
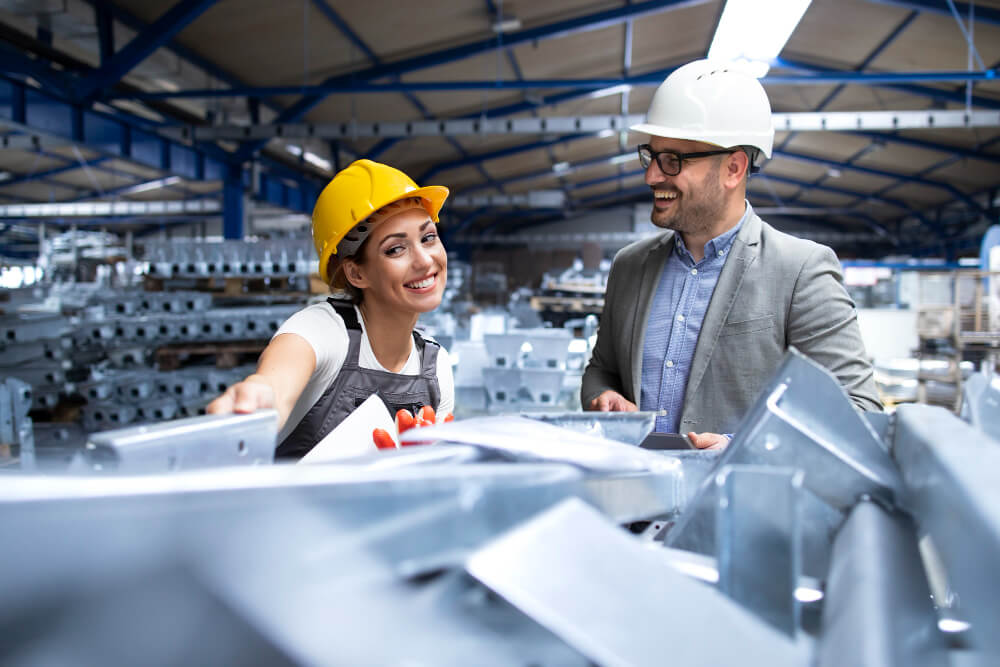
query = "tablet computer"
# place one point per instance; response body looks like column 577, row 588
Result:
column 666, row 441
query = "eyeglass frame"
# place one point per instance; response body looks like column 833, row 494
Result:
column 655, row 157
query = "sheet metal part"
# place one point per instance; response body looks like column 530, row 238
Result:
column 950, row 470
column 197, row 442
column 614, row 600
column 802, row 420
column 529, row 440
column 15, row 397
column 758, row 540
column 981, row 403
column 878, row 610
column 419, row 518
column 309, row 557
column 628, row 427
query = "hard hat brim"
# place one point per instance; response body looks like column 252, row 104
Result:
column 694, row 135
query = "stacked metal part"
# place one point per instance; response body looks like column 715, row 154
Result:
column 196, row 258
column 37, row 348
column 131, row 327
column 819, row 537
column 527, row 369
column 119, row 397
column 97, row 344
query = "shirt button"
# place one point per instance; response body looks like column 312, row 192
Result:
column 680, row 318
column 721, row 253
column 694, row 272
column 670, row 364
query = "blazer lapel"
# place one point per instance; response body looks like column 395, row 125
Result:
column 742, row 255
column 652, row 267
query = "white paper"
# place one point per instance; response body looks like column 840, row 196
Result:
column 353, row 436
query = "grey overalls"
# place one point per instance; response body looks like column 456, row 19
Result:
column 354, row 384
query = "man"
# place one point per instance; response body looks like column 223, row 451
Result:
column 697, row 319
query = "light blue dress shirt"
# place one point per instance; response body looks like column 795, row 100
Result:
column 678, row 310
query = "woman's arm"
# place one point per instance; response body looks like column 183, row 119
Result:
column 283, row 372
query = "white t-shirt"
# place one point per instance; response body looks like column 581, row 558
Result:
column 324, row 329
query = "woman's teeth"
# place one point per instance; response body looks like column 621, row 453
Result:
column 420, row 284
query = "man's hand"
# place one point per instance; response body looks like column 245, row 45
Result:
column 612, row 401
column 243, row 397
column 708, row 440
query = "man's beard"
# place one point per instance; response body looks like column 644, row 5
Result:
column 696, row 214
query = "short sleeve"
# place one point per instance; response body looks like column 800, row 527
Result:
column 446, row 382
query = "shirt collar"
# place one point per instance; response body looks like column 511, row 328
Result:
column 718, row 246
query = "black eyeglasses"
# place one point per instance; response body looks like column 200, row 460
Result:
column 670, row 162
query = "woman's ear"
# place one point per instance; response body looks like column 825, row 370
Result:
column 354, row 274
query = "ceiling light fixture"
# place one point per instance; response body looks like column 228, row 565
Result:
column 612, row 90
column 748, row 33
column 151, row 185
column 506, row 24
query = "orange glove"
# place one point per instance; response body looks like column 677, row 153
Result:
column 404, row 422
column 382, row 439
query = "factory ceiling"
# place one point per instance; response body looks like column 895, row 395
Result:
column 518, row 107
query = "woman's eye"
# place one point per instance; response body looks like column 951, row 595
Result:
column 430, row 238
column 394, row 250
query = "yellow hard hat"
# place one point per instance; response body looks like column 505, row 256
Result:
column 355, row 193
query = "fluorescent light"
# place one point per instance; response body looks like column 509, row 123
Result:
column 612, row 90
column 309, row 157
column 952, row 625
column 624, row 157
column 506, row 24
column 560, row 167
column 317, row 161
column 755, row 30
column 151, row 185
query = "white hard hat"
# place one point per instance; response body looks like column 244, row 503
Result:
column 711, row 101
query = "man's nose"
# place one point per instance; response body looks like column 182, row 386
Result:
column 654, row 174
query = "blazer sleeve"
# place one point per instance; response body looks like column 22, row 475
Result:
column 822, row 324
column 602, row 372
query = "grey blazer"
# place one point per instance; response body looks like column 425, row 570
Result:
column 775, row 291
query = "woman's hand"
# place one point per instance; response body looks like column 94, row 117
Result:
column 243, row 397
column 405, row 421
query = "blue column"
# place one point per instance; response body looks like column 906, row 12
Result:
column 232, row 202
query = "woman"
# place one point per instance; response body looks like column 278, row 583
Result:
column 375, row 233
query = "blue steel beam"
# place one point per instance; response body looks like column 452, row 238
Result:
column 13, row 62
column 499, row 153
column 55, row 171
column 142, row 45
column 346, row 30
column 919, row 91
column 30, row 110
column 781, row 179
column 929, row 145
column 105, row 33
column 821, row 77
column 952, row 190
column 139, row 26
column 876, row 52
column 559, row 29
column 983, row 14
